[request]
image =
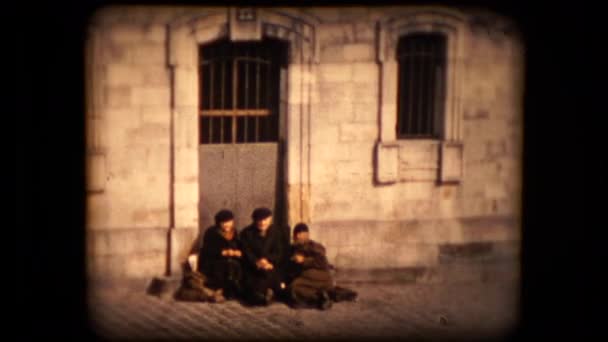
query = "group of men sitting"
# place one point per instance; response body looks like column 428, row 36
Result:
column 260, row 265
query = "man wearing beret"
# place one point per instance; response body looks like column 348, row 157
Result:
column 311, row 283
column 220, row 255
column 263, row 252
column 309, row 272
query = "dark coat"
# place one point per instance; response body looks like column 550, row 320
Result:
column 314, row 274
column 314, row 255
column 314, row 258
column 254, row 246
column 211, row 250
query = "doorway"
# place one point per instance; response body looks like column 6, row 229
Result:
column 242, row 117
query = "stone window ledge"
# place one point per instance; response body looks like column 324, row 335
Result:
column 419, row 161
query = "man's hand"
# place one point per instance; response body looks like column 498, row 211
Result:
column 299, row 258
column 261, row 263
column 231, row 252
column 264, row 264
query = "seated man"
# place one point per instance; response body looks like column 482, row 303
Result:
column 220, row 256
column 262, row 248
column 309, row 274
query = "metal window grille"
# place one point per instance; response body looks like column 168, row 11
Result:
column 422, row 78
column 239, row 91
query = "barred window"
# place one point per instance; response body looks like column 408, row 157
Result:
column 239, row 91
column 421, row 91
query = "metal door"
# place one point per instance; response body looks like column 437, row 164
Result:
column 242, row 114
column 239, row 177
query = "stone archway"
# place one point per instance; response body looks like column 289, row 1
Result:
column 185, row 33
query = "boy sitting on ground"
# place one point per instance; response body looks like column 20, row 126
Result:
column 311, row 282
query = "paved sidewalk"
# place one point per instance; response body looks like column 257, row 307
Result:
column 482, row 309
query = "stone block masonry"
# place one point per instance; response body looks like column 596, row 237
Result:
column 363, row 191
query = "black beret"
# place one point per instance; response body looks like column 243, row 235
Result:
column 300, row 227
column 261, row 213
column 223, row 216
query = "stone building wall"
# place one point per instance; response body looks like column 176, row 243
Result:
column 142, row 143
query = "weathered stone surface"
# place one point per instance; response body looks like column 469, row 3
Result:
column 136, row 265
column 96, row 134
column 324, row 134
column 366, row 112
column 479, row 114
column 97, row 211
column 365, row 92
column 359, row 52
column 332, row 54
column 496, row 149
column 323, row 208
column 186, row 86
column 484, row 228
column 183, row 244
column 186, row 126
column 391, row 255
column 476, row 206
column 367, row 73
column 495, row 191
column 348, row 109
column 324, row 173
column 186, row 215
column 334, row 108
column 155, row 115
column 362, row 153
column 354, row 172
column 451, row 168
column 356, row 132
column 415, row 191
column 150, row 96
column 123, row 74
column 126, row 34
column 302, row 74
column 149, row 133
column 335, row 72
column 152, row 217
column 155, row 75
column 324, row 154
column 416, row 208
column 113, row 52
column 387, row 163
column 126, row 242
column 418, row 160
column 365, row 31
column 96, row 172
column 336, row 34
column 119, row 96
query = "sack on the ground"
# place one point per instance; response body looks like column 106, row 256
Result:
column 342, row 294
column 193, row 288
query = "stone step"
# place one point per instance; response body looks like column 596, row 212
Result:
column 442, row 274
column 453, row 272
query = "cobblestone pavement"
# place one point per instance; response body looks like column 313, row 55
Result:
column 409, row 311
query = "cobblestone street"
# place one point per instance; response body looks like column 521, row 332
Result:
column 397, row 310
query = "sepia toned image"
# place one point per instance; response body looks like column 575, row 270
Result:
column 303, row 173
